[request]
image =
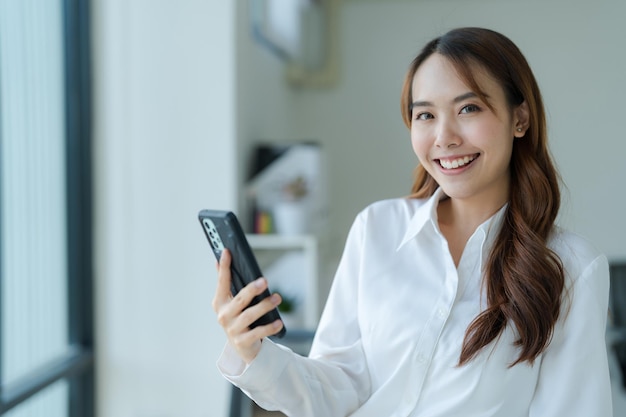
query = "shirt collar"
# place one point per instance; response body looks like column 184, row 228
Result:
column 428, row 213
column 425, row 213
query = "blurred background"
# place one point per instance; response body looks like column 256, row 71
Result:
column 121, row 119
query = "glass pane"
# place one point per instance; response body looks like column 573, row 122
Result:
column 33, row 238
column 51, row 402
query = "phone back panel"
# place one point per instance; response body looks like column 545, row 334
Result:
column 224, row 231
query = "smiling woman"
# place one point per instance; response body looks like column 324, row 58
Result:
column 499, row 118
column 464, row 298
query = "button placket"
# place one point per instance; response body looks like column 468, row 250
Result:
column 426, row 350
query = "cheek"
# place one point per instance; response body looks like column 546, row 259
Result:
column 491, row 128
column 419, row 144
column 490, row 137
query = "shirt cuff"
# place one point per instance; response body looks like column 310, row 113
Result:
column 263, row 371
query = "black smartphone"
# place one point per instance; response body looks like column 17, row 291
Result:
column 224, row 231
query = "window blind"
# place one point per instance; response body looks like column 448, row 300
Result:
column 33, row 223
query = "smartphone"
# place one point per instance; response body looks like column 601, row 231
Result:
column 224, row 231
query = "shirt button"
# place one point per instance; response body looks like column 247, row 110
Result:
column 420, row 359
column 441, row 312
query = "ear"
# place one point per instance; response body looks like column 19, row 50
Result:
column 521, row 116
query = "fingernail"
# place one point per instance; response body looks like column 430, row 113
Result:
column 275, row 299
column 259, row 282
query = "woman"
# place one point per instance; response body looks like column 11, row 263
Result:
column 464, row 299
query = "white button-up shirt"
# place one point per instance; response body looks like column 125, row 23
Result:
column 390, row 337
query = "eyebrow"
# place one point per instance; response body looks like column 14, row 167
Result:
column 457, row 99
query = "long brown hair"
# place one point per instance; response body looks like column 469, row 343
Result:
column 524, row 279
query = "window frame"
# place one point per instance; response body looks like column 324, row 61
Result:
column 77, row 366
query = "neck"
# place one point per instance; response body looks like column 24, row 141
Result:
column 464, row 216
column 459, row 220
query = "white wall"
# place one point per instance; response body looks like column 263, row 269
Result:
column 164, row 148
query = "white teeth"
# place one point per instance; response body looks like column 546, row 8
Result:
column 455, row 163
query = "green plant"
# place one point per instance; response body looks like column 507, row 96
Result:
column 288, row 304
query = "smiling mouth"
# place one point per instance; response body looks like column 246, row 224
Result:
column 457, row 162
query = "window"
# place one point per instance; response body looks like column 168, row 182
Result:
column 46, row 318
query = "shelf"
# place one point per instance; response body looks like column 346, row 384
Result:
column 275, row 255
column 274, row 241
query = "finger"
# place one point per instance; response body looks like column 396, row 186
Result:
column 242, row 300
column 247, row 339
column 248, row 344
column 251, row 314
column 229, row 310
column 222, row 292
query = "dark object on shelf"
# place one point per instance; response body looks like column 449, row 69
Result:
column 264, row 155
column 620, row 353
column 617, row 303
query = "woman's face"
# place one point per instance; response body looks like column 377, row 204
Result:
column 464, row 145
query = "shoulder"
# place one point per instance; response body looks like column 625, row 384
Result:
column 393, row 213
column 585, row 266
column 386, row 220
column 576, row 252
column 397, row 208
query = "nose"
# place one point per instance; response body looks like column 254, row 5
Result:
column 447, row 134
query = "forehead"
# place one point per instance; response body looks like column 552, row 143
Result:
column 438, row 77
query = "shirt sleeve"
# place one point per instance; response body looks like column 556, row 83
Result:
column 333, row 380
column 574, row 378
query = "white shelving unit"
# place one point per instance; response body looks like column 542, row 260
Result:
column 307, row 275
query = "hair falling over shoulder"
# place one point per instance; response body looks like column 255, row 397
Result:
column 524, row 279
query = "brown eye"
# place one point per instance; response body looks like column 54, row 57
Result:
column 470, row 108
column 423, row 116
